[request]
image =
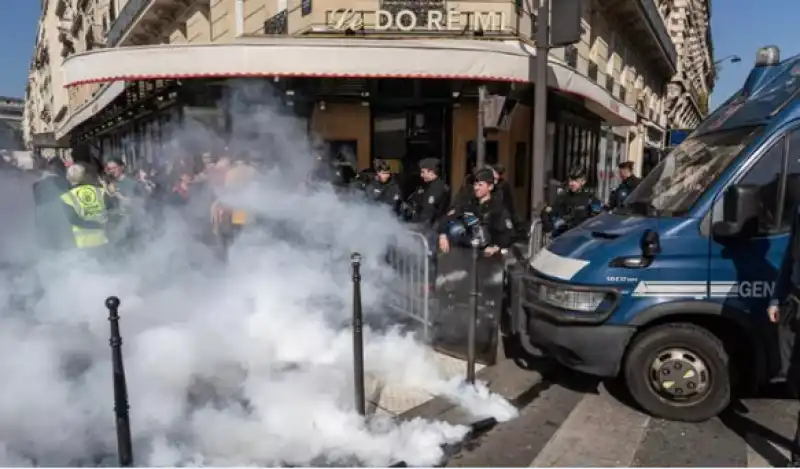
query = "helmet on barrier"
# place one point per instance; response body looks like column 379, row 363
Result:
column 470, row 219
column 456, row 230
column 596, row 207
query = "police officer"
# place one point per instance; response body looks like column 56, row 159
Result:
column 383, row 188
column 86, row 207
column 430, row 201
column 503, row 190
column 363, row 179
column 484, row 215
column 572, row 206
column 628, row 184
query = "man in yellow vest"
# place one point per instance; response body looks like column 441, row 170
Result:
column 86, row 206
column 228, row 222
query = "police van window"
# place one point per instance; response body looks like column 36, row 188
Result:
column 682, row 176
column 792, row 198
column 766, row 174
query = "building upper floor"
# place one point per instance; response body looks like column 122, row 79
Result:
column 625, row 47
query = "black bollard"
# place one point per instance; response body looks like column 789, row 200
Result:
column 358, row 337
column 473, row 313
column 124, row 443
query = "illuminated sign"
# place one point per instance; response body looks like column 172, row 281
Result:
column 407, row 20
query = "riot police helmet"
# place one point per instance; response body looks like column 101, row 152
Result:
column 576, row 172
column 576, row 178
column 383, row 171
column 382, row 166
column 484, row 175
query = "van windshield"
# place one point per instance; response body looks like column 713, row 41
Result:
column 687, row 171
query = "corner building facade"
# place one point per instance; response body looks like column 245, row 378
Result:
column 389, row 79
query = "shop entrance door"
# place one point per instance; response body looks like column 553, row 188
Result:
column 405, row 136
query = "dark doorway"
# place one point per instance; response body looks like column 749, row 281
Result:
column 651, row 158
column 404, row 136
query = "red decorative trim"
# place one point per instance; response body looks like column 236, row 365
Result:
column 179, row 76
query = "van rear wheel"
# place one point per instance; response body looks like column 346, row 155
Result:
column 679, row 372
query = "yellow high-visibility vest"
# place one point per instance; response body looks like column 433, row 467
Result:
column 89, row 203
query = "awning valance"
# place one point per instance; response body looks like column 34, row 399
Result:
column 456, row 59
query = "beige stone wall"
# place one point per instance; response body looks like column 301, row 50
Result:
column 223, row 20
column 619, row 60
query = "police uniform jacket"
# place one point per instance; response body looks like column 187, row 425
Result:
column 430, row 202
column 385, row 193
column 492, row 215
column 574, row 207
column 631, row 183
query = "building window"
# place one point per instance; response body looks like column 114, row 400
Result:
column 571, row 56
column 112, row 10
column 592, row 71
column 610, row 83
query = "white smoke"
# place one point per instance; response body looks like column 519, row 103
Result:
column 250, row 364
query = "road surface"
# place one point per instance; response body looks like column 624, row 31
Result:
column 574, row 421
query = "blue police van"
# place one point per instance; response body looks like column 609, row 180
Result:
column 670, row 291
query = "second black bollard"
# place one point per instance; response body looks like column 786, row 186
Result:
column 124, row 443
column 358, row 337
column 473, row 312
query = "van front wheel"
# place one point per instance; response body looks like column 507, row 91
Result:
column 679, row 372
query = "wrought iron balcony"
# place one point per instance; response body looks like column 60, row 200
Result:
column 278, row 24
column 130, row 12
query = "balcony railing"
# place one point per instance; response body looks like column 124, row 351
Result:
column 656, row 23
column 130, row 12
column 278, row 24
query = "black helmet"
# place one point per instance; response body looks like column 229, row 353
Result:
column 577, row 172
column 382, row 166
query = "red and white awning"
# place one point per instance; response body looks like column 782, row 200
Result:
column 304, row 57
column 455, row 59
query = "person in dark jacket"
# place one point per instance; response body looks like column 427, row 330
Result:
column 383, row 188
column 484, row 215
column 572, row 206
column 430, row 201
column 502, row 190
column 628, row 183
column 53, row 229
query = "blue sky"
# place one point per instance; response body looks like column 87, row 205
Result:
column 739, row 27
column 17, row 36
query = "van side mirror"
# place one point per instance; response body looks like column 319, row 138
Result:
column 741, row 205
column 650, row 244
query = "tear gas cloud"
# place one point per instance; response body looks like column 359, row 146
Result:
column 247, row 366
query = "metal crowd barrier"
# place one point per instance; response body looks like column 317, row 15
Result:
column 410, row 258
column 537, row 238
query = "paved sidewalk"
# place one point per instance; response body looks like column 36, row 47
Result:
column 395, row 400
